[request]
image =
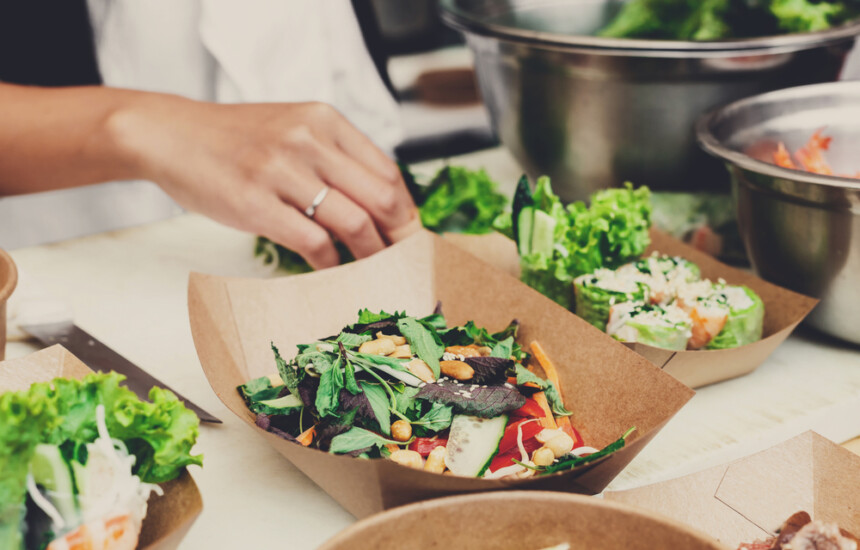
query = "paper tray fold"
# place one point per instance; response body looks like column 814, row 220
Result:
column 168, row 517
column 609, row 388
column 748, row 499
column 784, row 309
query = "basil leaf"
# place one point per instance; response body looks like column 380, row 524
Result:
column 434, row 321
column 489, row 370
column 331, row 382
column 379, row 403
column 483, row 401
column 423, row 341
column 348, row 371
column 504, row 348
column 405, row 400
column 320, row 361
column 356, row 439
column 438, row 418
column 351, row 340
column 332, row 426
column 289, row 373
column 552, row 396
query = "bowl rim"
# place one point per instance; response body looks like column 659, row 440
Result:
column 466, row 21
column 7, row 286
column 511, row 498
column 713, row 146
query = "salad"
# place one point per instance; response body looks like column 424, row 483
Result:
column 588, row 259
column 80, row 458
column 455, row 200
column 720, row 19
column 457, row 400
column 799, row 532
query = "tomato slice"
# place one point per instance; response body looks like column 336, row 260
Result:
column 505, row 459
column 509, row 439
column 530, row 410
column 423, row 445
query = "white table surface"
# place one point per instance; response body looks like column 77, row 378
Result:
column 128, row 288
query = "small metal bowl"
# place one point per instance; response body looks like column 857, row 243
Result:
column 801, row 230
column 592, row 112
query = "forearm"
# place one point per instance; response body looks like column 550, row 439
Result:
column 54, row 138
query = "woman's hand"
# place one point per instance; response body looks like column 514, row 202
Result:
column 257, row 167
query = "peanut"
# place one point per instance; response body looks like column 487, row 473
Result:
column 560, row 445
column 485, row 351
column 546, row 434
column 402, row 352
column 465, row 351
column 436, row 460
column 457, row 370
column 401, row 430
column 275, row 379
column 410, row 459
column 398, row 340
column 381, row 346
column 420, row 369
column 543, row 457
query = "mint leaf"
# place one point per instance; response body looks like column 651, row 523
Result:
column 331, row 382
column 423, row 341
column 504, row 348
column 379, row 403
column 405, row 400
column 357, row 439
column 348, row 372
column 438, row 418
column 552, row 396
column 483, row 401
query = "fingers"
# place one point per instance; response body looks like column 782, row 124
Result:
column 358, row 146
column 287, row 226
column 350, row 223
column 388, row 203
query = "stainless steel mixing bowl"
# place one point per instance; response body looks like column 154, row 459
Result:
column 801, row 230
column 593, row 112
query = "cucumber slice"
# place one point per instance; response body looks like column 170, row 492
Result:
column 472, row 443
column 288, row 401
column 50, row 470
column 543, row 233
column 525, row 222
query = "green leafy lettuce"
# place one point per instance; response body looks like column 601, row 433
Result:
column 558, row 244
column 721, row 19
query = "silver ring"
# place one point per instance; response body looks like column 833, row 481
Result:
column 312, row 209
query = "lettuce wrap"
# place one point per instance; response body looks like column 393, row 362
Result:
column 745, row 319
column 666, row 327
column 598, row 292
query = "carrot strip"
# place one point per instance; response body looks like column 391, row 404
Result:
column 307, row 436
column 548, row 420
column 547, row 366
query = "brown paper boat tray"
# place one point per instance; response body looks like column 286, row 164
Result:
column 748, row 499
column 168, row 517
column 521, row 519
column 609, row 387
column 784, row 309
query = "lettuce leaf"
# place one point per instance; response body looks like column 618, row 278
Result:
column 609, row 233
column 461, row 200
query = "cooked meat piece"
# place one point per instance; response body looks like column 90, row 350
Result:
column 819, row 536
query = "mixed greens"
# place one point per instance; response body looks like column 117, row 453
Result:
column 79, row 459
column 558, row 243
column 426, row 396
column 721, row 19
column 456, row 199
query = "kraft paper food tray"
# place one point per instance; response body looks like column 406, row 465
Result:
column 784, row 309
column 522, row 519
column 748, row 499
column 168, row 517
column 609, row 388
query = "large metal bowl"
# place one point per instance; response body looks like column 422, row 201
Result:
column 593, row 112
column 801, row 230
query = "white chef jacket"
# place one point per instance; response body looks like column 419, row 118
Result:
column 216, row 50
